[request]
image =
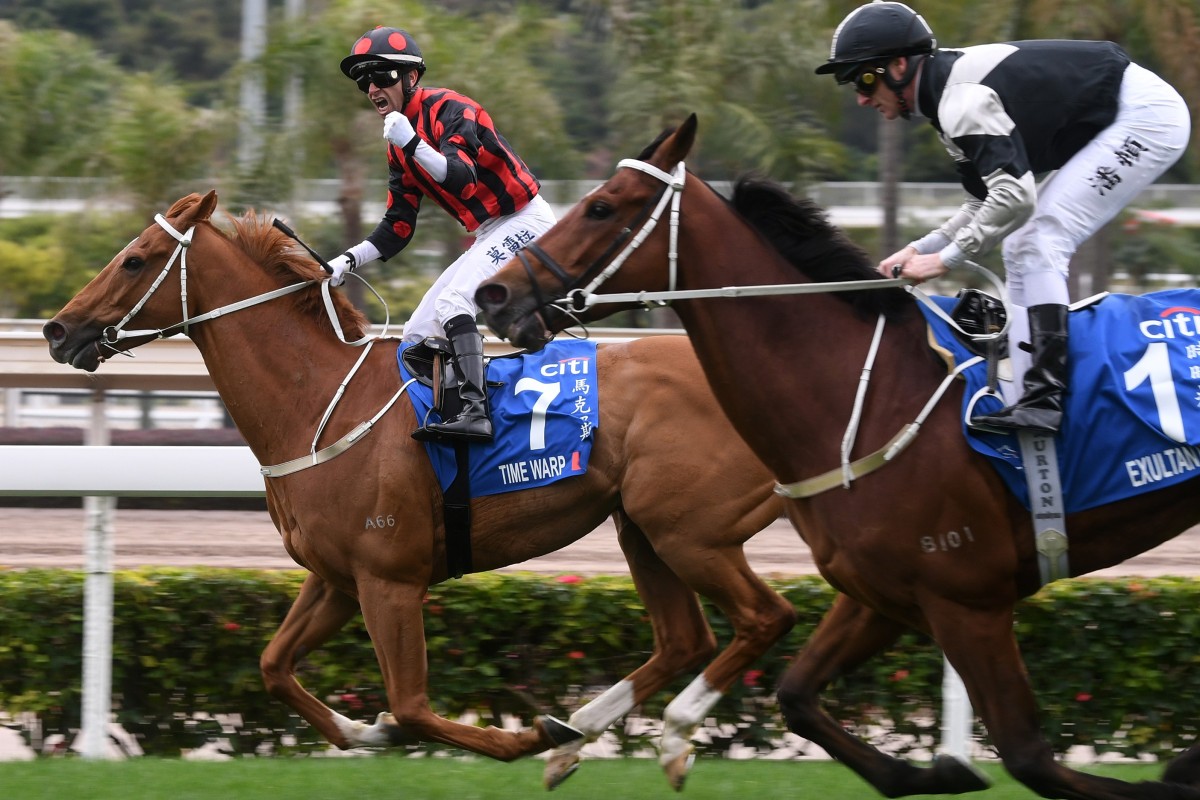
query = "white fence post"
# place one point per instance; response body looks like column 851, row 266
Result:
column 98, row 606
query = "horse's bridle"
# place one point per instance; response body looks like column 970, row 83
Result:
column 575, row 299
column 113, row 334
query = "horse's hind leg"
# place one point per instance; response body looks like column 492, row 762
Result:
column 982, row 647
column 682, row 641
column 318, row 612
column 392, row 613
column 849, row 634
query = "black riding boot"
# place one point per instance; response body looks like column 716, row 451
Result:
column 473, row 423
column 1041, row 406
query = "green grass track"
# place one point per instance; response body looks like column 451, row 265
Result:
column 452, row 779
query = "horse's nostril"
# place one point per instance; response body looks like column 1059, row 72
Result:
column 491, row 294
column 54, row 332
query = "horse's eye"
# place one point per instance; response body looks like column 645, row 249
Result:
column 133, row 263
column 599, row 210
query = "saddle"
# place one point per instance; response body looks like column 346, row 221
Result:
column 431, row 362
column 978, row 313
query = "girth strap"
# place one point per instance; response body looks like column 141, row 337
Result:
column 456, row 511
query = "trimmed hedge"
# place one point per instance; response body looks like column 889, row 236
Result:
column 1114, row 662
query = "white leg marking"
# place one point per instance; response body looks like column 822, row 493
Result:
column 360, row 734
column 597, row 716
column 683, row 716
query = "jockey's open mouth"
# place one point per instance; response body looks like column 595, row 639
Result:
column 382, row 104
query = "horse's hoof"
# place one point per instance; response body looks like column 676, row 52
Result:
column 557, row 731
column 558, row 769
column 956, row 776
column 677, row 769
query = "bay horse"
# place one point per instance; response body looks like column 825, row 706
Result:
column 785, row 368
column 683, row 490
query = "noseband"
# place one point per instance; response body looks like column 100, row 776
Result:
column 631, row 237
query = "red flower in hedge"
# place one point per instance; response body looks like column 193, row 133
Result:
column 568, row 579
column 1082, row 697
column 750, row 677
column 576, row 654
column 899, row 675
column 232, row 626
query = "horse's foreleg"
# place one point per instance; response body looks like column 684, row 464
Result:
column 849, row 634
column 759, row 616
column 318, row 612
column 682, row 641
column 984, row 651
column 392, row 613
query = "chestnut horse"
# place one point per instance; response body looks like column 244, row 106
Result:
column 785, row 369
column 684, row 491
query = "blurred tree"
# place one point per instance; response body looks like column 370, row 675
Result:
column 29, row 271
column 156, row 143
column 55, row 89
column 43, row 263
column 742, row 68
column 198, row 42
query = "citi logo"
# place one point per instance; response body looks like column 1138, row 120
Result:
column 1173, row 323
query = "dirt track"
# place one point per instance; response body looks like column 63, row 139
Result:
column 55, row 537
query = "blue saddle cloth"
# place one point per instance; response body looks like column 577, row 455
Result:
column 1132, row 417
column 543, row 415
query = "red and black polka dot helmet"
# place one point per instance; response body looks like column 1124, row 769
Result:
column 387, row 46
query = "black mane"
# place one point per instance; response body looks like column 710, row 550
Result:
column 801, row 231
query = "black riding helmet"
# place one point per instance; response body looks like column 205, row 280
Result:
column 385, row 46
column 877, row 31
column 382, row 56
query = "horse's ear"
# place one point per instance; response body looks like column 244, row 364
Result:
column 208, row 204
column 679, row 144
column 189, row 210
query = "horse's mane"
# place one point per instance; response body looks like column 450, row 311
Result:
column 267, row 246
column 801, row 231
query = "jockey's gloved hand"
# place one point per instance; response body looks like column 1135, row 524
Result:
column 398, row 130
column 340, row 266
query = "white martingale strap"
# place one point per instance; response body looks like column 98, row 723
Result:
column 847, row 472
column 334, row 450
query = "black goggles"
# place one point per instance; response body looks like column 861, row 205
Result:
column 381, row 76
column 867, row 81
